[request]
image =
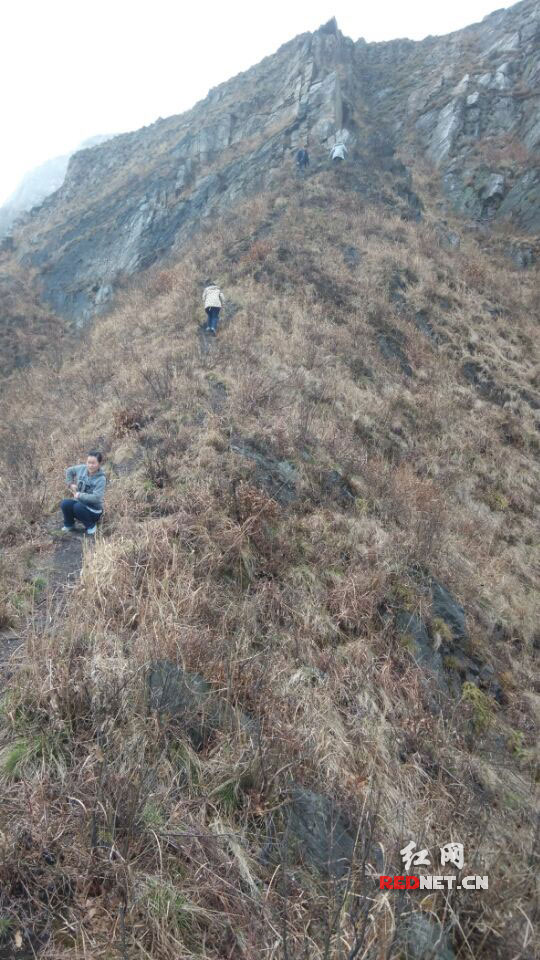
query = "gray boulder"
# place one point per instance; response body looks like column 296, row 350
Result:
column 449, row 239
column 279, row 478
column 351, row 255
column 336, row 486
column 521, row 204
column 414, row 630
column 183, row 697
column 445, row 607
column 188, row 700
column 423, row 938
column 523, row 255
column 390, row 345
column 320, row 835
column 425, row 324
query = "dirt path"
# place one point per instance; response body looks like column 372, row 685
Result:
column 60, row 568
column 65, row 563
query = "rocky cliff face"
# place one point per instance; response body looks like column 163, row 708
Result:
column 470, row 102
column 467, row 104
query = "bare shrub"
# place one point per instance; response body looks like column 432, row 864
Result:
column 126, row 419
column 160, row 378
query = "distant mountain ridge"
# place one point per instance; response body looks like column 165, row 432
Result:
column 39, row 183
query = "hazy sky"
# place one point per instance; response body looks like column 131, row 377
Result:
column 71, row 69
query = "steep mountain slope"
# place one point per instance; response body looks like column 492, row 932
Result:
column 468, row 103
column 309, row 619
column 307, row 633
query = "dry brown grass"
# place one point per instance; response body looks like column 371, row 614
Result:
column 147, row 846
column 505, row 151
column 28, row 327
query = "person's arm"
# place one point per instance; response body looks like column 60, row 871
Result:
column 72, row 475
column 204, row 294
column 94, row 499
column 222, row 298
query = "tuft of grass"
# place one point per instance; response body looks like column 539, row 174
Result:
column 30, row 753
column 440, row 629
column 153, row 817
column 408, row 643
column 482, row 706
column 18, row 756
column 515, row 743
column 404, row 596
column 6, row 617
column 169, row 908
column 497, row 500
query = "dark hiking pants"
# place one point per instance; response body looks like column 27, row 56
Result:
column 213, row 314
column 75, row 510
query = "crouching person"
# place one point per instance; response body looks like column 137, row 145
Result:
column 87, row 483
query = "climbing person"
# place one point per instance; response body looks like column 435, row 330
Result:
column 87, row 483
column 213, row 302
column 302, row 159
column 339, row 151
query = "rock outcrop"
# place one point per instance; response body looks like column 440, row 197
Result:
column 466, row 103
column 471, row 101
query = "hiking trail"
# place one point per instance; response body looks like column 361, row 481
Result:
column 60, row 568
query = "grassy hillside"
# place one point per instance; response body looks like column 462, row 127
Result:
column 27, row 326
column 284, row 503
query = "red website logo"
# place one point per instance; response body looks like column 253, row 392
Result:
column 451, row 853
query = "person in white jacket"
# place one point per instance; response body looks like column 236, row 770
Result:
column 339, row 151
column 213, row 302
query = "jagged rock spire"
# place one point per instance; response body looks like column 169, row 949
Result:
column 330, row 27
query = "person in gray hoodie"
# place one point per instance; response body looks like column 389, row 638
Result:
column 87, row 483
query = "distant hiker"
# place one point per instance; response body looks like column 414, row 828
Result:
column 339, row 151
column 87, row 483
column 213, row 302
column 302, row 159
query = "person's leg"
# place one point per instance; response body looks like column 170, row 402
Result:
column 67, row 510
column 207, row 324
column 213, row 320
column 85, row 515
